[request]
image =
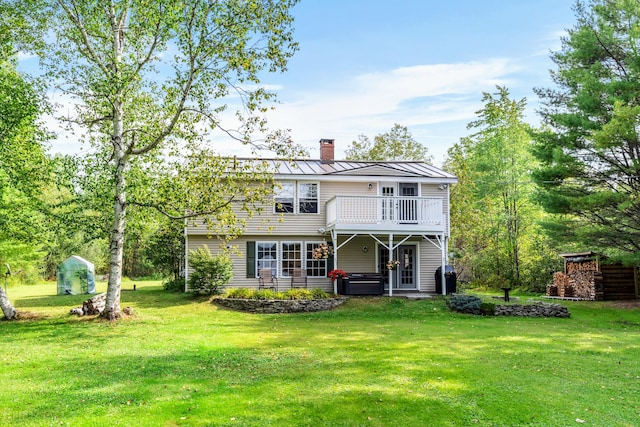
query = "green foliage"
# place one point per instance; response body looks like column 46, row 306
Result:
column 23, row 169
column 488, row 308
column 268, row 294
column 151, row 81
column 397, row 144
column 589, row 175
column 210, row 273
column 469, row 304
column 174, row 284
column 496, row 237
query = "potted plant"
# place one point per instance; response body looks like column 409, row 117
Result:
column 392, row 264
column 338, row 275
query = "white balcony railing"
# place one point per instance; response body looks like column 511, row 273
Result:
column 385, row 211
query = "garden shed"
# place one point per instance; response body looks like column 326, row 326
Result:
column 76, row 275
column 587, row 277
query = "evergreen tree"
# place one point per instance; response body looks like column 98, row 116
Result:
column 589, row 146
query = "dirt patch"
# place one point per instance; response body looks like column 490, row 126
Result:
column 27, row 315
column 627, row 304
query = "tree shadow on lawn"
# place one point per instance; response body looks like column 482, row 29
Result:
column 142, row 298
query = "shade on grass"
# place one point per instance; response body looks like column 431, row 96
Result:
column 372, row 362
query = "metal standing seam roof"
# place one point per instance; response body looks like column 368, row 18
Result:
column 347, row 167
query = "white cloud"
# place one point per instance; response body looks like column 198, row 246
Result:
column 420, row 96
column 371, row 103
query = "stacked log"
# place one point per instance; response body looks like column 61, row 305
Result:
column 552, row 290
column 575, row 267
column 562, row 282
column 584, row 284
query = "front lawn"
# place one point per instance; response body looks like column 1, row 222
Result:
column 181, row 361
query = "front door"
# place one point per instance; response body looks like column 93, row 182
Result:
column 405, row 274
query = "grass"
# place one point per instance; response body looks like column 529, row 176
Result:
column 182, row 361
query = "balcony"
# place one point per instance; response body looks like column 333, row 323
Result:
column 388, row 214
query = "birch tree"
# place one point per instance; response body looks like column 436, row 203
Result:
column 147, row 75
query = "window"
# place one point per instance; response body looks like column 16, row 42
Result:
column 282, row 257
column 285, row 198
column 267, row 256
column 307, row 197
column 291, row 257
column 301, row 198
column 315, row 267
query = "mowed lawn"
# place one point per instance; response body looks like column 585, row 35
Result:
column 182, row 361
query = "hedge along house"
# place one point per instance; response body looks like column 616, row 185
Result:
column 369, row 214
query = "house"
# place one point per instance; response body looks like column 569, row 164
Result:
column 369, row 214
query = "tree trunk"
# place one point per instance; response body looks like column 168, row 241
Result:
column 5, row 304
column 116, row 245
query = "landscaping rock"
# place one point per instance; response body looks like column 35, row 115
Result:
column 538, row 309
column 278, row 306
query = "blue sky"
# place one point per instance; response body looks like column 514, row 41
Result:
column 364, row 65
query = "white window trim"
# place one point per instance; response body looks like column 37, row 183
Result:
column 296, row 198
column 315, row 243
column 281, row 255
column 269, row 242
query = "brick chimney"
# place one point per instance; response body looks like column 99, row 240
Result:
column 326, row 151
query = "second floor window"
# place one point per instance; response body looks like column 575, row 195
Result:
column 285, row 197
column 301, row 197
column 308, row 197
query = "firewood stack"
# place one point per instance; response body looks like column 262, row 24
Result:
column 583, row 283
column 574, row 267
column 562, row 284
column 582, row 280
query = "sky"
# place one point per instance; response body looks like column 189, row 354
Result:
column 365, row 65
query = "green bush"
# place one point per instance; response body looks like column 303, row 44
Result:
column 210, row 273
column 268, row 294
column 488, row 308
column 174, row 285
column 465, row 304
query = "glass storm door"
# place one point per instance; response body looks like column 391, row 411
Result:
column 405, row 275
column 407, row 208
column 388, row 203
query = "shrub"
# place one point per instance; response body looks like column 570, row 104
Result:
column 268, row 294
column 174, row 285
column 465, row 304
column 210, row 273
column 488, row 308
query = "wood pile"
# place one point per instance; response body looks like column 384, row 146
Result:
column 583, row 283
column 562, row 285
column 575, row 267
column 92, row 306
column 585, row 277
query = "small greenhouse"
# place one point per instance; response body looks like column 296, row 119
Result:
column 76, row 275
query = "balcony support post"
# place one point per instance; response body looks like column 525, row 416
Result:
column 389, row 260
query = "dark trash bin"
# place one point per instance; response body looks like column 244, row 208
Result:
column 449, row 277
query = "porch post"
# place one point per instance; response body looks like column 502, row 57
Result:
column 390, row 259
column 334, row 238
column 443, row 247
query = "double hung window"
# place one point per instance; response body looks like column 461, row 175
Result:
column 297, row 198
column 282, row 257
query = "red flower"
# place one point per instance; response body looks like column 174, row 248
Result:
column 336, row 274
